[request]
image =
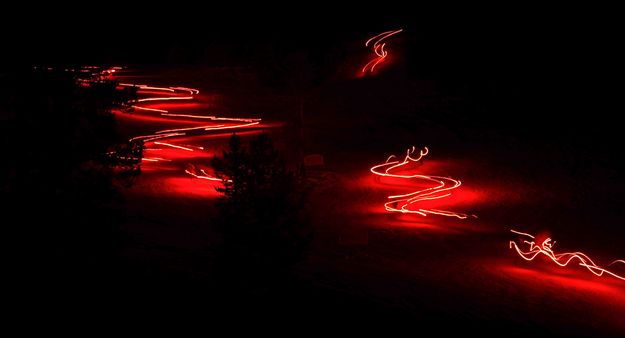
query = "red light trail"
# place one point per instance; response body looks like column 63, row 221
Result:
column 182, row 93
column 173, row 146
column 212, row 118
column 203, row 175
column 545, row 248
column 404, row 203
column 378, row 45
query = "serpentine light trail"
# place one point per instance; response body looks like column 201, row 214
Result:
column 378, row 44
column 178, row 94
column 405, row 203
column 545, row 248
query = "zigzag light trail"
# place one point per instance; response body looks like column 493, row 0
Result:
column 406, row 203
column 378, row 44
column 233, row 123
column 545, row 248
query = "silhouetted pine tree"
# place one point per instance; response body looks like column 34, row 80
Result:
column 261, row 212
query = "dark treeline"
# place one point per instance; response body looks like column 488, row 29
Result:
column 58, row 181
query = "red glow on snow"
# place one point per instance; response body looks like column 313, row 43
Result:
column 378, row 44
column 561, row 259
column 404, row 203
column 591, row 290
column 189, row 186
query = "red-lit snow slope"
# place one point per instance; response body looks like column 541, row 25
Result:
column 441, row 187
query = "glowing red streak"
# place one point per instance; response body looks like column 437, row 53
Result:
column 182, row 131
column 192, row 91
column 205, row 176
column 173, row 146
column 378, row 49
column 151, row 109
column 107, row 72
column 232, row 126
column 147, row 138
column 209, row 127
column 177, row 130
column 562, row 259
column 155, row 159
column 167, row 98
column 402, row 203
column 146, row 87
column 192, row 146
column 212, row 118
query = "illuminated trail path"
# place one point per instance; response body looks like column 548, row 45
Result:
column 407, row 203
column 170, row 139
column 561, row 259
column 378, row 43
